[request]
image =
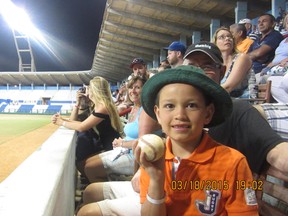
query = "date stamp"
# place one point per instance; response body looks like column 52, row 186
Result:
column 182, row 185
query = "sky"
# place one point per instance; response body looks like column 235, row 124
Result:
column 70, row 27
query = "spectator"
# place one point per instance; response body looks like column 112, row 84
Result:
column 186, row 100
column 164, row 64
column 249, row 29
column 242, row 41
column 104, row 116
column 239, row 79
column 139, row 67
column 124, row 102
column 276, row 71
column 284, row 31
column 87, row 142
column 262, row 51
column 245, row 130
column 277, row 115
column 175, row 53
column 120, row 160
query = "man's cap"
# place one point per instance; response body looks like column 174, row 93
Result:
column 176, row 46
column 208, row 48
column 137, row 61
column 244, row 21
column 192, row 76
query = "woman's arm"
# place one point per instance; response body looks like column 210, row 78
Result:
column 88, row 123
column 122, row 143
column 240, row 69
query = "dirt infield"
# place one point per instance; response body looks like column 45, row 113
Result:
column 15, row 151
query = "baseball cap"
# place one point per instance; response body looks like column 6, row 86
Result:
column 208, row 48
column 244, row 21
column 190, row 75
column 176, row 46
column 137, row 61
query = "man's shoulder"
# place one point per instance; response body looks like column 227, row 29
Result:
column 276, row 35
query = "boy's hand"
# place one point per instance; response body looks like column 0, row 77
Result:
column 154, row 169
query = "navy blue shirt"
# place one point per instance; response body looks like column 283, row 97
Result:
column 272, row 40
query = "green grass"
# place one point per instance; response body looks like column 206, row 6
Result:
column 15, row 125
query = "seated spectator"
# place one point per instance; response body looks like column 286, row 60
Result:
column 263, row 50
column 87, row 142
column 164, row 64
column 104, row 116
column 120, row 160
column 277, row 116
column 191, row 155
column 242, row 41
column 120, row 97
column 279, row 87
column 175, row 53
column 245, row 130
column 281, row 54
column 124, row 102
column 250, row 32
column 239, row 80
column 276, row 71
column 139, row 68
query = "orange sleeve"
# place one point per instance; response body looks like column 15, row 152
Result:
column 144, row 184
column 240, row 201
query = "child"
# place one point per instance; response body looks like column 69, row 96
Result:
column 197, row 176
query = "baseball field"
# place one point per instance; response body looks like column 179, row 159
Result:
column 20, row 136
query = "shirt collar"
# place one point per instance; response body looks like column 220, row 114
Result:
column 204, row 152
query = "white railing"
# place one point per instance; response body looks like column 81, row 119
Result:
column 44, row 184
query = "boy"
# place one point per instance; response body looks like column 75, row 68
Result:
column 197, row 176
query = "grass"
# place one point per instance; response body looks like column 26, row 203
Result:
column 15, row 125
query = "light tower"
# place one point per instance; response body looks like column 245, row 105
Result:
column 24, row 51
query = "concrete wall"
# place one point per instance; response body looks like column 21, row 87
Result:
column 44, row 184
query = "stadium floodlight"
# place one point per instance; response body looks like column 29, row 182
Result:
column 18, row 19
column 23, row 30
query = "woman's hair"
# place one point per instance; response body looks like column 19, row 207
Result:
column 134, row 79
column 214, row 38
column 100, row 89
column 284, row 22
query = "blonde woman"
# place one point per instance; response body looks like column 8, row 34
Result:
column 239, row 79
column 104, row 116
column 120, row 160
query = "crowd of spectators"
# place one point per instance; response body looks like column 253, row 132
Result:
column 231, row 60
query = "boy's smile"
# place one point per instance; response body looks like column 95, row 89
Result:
column 182, row 113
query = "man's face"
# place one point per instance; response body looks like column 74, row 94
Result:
column 265, row 24
column 203, row 61
column 139, row 69
column 172, row 57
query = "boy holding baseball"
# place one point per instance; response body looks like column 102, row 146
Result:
column 197, row 175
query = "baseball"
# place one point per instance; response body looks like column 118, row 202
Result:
column 152, row 145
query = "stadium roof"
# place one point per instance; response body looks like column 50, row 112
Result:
column 140, row 28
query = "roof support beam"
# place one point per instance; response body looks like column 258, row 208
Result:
column 142, row 42
column 155, row 36
column 128, row 47
column 177, row 28
column 125, row 52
